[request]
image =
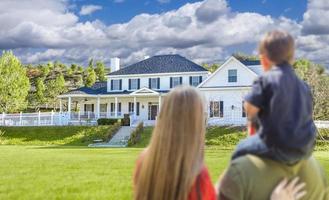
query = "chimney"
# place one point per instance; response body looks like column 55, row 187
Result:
column 115, row 64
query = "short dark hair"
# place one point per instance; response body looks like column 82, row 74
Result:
column 278, row 46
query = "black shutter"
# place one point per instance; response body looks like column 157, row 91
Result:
column 170, row 82
column 149, row 83
column 111, row 84
column 129, row 84
column 120, row 84
column 85, row 107
column 221, row 109
column 119, row 107
column 137, row 108
column 190, row 80
column 112, row 107
column 139, row 84
column 200, row 79
column 92, row 107
column 181, row 80
column 158, row 83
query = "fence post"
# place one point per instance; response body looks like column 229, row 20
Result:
column 20, row 119
column 52, row 118
column 3, row 118
column 39, row 118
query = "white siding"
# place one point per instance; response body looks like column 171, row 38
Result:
column 164, row 80
column 245, row 76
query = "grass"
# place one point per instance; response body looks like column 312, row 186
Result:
column 54, row 163
column 67, row 135
column 38, row 172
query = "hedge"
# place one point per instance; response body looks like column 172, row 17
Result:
column 105, row 121
column 135, row 136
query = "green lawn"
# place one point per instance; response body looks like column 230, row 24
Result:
column 36, row 170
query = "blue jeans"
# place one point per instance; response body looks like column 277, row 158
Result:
column 256, row 146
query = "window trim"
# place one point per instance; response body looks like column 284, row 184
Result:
column 232, row 78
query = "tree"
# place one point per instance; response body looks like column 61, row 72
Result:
column 80, row 69
column 55, row 87
column 318, row 80
column 14, row 83
column 100, row 71
column 90, row 77
column 45, row 70
column 74, row 67
column 243, row 56
column 212, row 67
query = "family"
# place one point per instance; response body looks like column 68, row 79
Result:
column 274, row 163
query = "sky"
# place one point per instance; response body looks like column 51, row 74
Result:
column 208, row 31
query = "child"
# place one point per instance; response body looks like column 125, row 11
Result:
column 282, row 104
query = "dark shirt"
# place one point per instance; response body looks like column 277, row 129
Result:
column 286, row 109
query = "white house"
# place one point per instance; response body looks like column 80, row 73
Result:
column 225, row 89
column 136, row 90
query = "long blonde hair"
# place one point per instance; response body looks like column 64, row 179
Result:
column 174, row 157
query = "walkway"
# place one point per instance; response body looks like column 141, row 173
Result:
column 120, row 139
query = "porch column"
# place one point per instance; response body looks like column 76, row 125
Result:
column 135, row 106
column 116, row 107
column 98, row 108
column 60, row 105
column 108, row 110
column 160, row 98
column 69, row 108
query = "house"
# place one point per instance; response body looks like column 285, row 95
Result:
column 225, row 89
column 136, row 90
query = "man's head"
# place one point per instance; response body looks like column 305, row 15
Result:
column 275, row 48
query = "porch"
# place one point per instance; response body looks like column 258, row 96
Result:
column 141, row 106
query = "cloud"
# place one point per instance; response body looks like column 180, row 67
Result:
column 315, row 19
column 89, row 9
column 206, row 31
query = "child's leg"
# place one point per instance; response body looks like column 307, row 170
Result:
column 251, row 145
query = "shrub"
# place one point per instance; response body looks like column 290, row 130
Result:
column 105, row 121
column 135, row 136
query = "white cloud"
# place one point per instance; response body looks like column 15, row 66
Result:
column 204, row 31
column 89, row 9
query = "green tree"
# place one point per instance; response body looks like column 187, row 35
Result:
column 14, row 83
column 100, row 71
column 90, row 77
column 45, row 70
column 318, row 80
column 80, row 69
column 54, row 88
column 212, row 67
column 74, row 67
column 243, row 56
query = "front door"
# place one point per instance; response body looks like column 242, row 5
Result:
column 153, row 111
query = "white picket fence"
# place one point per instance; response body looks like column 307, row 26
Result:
column 35, row 119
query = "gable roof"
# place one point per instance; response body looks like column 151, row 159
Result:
column 252, row 69
column 161, row 64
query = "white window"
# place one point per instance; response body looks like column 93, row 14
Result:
column 175, row 81
column 134, row 84
column 154, row 83
column 116, row 84
column 216, row 108
column 195, row 80
column 232, row 75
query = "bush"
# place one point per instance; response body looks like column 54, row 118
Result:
column 136, row 135
column 105, row 121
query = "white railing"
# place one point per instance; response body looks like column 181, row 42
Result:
column 322, row 124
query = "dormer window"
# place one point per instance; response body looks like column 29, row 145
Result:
column 232, row 75
column 116, row 84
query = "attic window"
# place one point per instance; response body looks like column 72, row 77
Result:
column 232, row 75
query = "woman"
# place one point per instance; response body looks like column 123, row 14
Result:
column 172, row 167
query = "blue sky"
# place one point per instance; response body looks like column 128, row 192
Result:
column 205, row 31
column 113, row 12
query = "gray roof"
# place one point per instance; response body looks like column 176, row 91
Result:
column 100, row 88
column 258, row 69
column 161, row 64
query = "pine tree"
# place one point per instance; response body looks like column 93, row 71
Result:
column 100, row 71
